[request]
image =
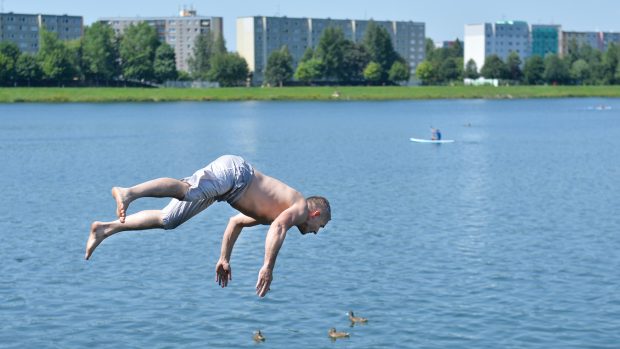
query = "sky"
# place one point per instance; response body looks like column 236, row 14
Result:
column 444, row 19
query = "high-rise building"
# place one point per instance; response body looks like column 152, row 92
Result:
column 259, row 36
column 546, row 39
column 597, row 40
column 24, row 29
column 178, row 32
column 500, row 38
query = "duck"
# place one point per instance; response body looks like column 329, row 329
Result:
column 258, row 336
column 356, row 319
column 334, row 334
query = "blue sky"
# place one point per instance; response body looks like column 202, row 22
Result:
column 444, row 19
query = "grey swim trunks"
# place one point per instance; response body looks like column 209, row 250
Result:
column 225, row 179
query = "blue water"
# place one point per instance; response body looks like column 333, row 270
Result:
column 507, row 238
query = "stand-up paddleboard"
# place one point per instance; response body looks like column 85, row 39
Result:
column 418, row 140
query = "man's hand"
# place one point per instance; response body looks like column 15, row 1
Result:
column 223, row 273
column 264, row 281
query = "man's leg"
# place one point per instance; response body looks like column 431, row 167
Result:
column 156, row 188
column 139, row 221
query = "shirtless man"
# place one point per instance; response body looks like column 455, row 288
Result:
column 260, row 199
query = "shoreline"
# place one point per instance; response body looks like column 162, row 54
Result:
column 323, row 93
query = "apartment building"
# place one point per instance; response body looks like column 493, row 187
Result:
column 259, row 36
column 24, row 29
column 546, row 39
column 597, row 40
column 500, row 38
column 178, row 32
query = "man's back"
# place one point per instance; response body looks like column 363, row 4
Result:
column 267, row 197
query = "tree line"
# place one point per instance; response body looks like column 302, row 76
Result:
column 337, row 60
column 583, row 65
column 102, row 58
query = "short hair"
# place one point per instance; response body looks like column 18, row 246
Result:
column 319, row 201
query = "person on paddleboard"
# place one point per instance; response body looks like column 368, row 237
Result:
column 435, row 134
column 260, row 199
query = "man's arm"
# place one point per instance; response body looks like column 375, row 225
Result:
column 223, row 271
column 275, row 238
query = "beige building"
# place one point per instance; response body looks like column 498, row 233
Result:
column 259, row 36
column 24, row 29
column 178, row 32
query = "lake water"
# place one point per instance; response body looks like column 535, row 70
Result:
column 507, row 238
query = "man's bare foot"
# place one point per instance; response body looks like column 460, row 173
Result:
column 120, row 195
column 97, row 234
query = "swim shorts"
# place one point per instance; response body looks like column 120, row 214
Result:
column 225, row 179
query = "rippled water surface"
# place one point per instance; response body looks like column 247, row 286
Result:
column 507, row 238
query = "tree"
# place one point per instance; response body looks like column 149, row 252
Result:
column 27, row 68
column 330, row 52
column 308, row 71
column 533, row 70
column 9, row 53
column 493, row 68
column 556, row 71
column 137, row 52
column 279, row 67
column 580, row 71
column 611, row 58
column 373, row 73
column 471, row 70
column 99, row 53
column 450, row 70
column 426, row 73
column 308, row 55
column 355, row 59
column 164, row 66
column 228, row 69
column 54, row 58
column 379, row 46
column 399, row 72
column 200, row 62
column 513, row 67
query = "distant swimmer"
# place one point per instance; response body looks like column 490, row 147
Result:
column 260, row 199
column 435, row 134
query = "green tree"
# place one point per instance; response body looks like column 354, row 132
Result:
column 373, row 73
column 200, row 61
column 330, row 52
column 451, row 69
column 556, row 71
column 310, row 70
column 493, row 68
column 164, row 66
column 9, row 53
column 228, row 69
column 355, row 59
column 308, row 55
column 471, row 70
column 426, row 73
column 533, row 70
column 279, row 67
column 27, row 68
column 580, row 71
column 611, row 57
column 379, row 46
column 99, row 53
column 399, row 72
column 137, row 52
column 219, row 45
column 513, row 67
column 54, row 59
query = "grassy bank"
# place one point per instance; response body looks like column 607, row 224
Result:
column 11, row 95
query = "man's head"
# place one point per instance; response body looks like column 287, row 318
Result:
column 319, row 213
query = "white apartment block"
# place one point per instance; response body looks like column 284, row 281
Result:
column 500, row 38
column 24, row 29
column 178, row 32
column 259, row 36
